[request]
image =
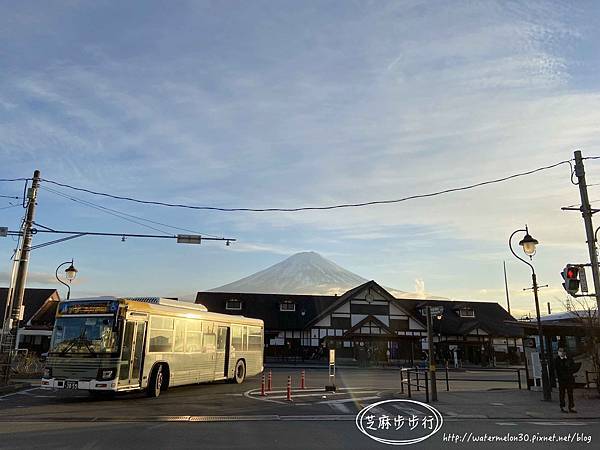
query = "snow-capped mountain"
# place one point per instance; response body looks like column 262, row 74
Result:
column 304, row 273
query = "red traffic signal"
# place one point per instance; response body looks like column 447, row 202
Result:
column 571, row 276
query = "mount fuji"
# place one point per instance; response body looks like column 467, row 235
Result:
column 303, row 273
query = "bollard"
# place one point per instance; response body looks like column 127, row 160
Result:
column 426, row 388
column 408, row 383
column 289, row 389
column 302, row 380
column 401, row 381
column 270, row 383
column 262, row 385
column 417, row 372
column 519, row 377
column 447, row 383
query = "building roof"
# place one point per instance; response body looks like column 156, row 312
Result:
column 266, row 307
column 488, row 316
column 33, row 300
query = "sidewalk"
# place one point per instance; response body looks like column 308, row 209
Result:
column 511, row 404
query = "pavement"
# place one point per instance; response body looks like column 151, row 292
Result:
column 220, row 415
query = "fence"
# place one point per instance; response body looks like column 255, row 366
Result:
column 409, row 382
column 412, row 377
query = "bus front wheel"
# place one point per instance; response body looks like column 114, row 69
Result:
column 240, row 372
column 155, row 384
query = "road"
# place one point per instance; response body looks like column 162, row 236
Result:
column 223, row 415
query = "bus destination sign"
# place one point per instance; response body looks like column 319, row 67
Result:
column 109, row 307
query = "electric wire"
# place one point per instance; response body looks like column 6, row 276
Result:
column 109, row 210
column 100, row 208
column 313, row 208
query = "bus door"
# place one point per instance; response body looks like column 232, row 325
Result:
column 222, row 352
column 130, row 370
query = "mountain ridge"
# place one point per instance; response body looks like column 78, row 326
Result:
column 306, row 273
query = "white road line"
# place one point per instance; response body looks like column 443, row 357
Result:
column 348, row 400
column 318, row 394
column 18, row 393
column 506, row 423
column 554, row 424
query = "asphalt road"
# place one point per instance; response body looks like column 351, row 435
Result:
column 223, row 415
column 281, row 434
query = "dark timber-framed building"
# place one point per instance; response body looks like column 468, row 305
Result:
column 367, row 322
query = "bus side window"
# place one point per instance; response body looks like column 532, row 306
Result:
column 236, row 338
column 245, row 337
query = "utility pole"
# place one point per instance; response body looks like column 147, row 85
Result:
column 23, row 262
column 432, row 378
column 586, row 212
column 506, row 287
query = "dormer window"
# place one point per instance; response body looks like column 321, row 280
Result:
column 233, row 304
column 466, row 312
column 287, row 305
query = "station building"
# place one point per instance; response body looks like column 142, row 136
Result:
column 368, row 323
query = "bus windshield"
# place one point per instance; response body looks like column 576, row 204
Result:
column 84, row 335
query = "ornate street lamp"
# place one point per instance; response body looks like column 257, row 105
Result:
column 70, row 274
column 529, row 247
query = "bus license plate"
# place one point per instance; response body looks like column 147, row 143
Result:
column 71, row 385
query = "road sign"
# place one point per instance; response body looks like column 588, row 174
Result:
column 189, row 239
column 583, row 287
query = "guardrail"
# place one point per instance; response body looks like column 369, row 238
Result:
column 409, row 382
column 412, row 377
column 516, row 371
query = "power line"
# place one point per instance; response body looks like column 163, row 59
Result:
column 15, row 179
column 8, row 207
column 315, row 208
column 10, row 196
column 102, row 209
column 119, row 214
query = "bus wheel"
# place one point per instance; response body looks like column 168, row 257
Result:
column 156, row 381
column 240, row 372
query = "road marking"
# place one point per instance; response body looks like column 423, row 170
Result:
column 505, row 423
column 348, row 400
column 18, row 393
column 561, row 423
column 320, row 394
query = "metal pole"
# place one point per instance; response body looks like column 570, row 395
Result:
column 432, row 379
column 506, row 287
column 586, row 212
column 543, row 361
column 545, row 382
column 21, row 279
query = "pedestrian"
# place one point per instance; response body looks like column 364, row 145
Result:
column 565, row 368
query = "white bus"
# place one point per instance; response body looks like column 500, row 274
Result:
column 109, row 344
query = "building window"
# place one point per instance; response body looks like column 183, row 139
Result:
column 233, row 304
column 466, row 312
column 287, row 306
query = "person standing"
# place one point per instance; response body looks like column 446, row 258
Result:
column 565, row 367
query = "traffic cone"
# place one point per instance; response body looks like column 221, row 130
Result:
column 289, row 389
column 262, row 386
column 270, row 382
column 302, row 376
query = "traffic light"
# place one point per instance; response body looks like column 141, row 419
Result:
column 571, row 276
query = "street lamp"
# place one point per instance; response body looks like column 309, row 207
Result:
column 70, row 274
column 529, row 247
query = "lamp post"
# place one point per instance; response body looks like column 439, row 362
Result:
column 529, row 247
column 70, row 274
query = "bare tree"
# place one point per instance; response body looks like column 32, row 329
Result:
column 583, row 311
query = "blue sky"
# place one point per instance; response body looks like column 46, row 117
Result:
column 279, row 104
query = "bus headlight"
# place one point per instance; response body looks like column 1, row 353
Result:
column 106, row 374
column 47, row 372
